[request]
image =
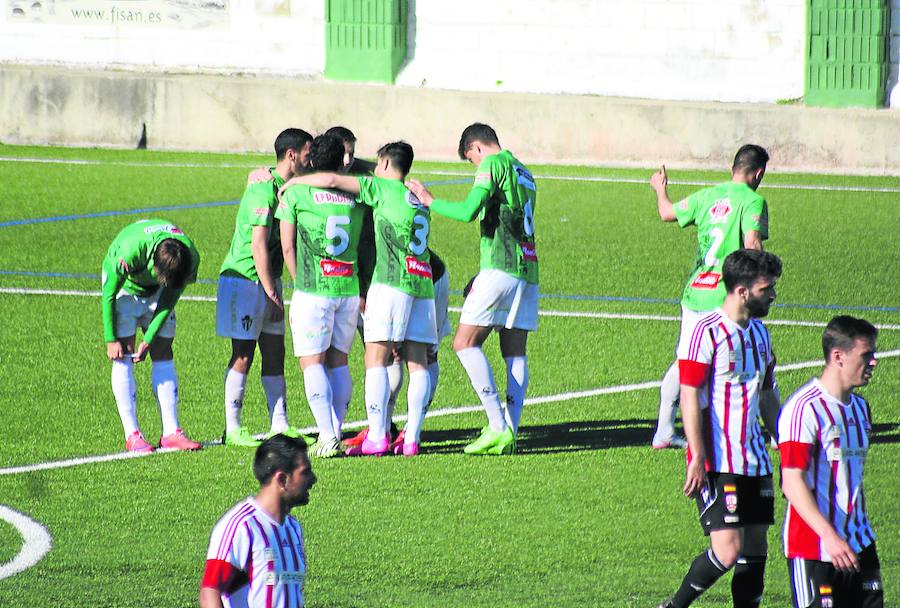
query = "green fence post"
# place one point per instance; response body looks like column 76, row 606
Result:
column 365, row 40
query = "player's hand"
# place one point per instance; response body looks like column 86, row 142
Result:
column 696, row 476
column 141, row 353
column 115, row 351
column 659, row 180
column 421, row 192
column 842, row 556
column 275, row 308
column 259, row 175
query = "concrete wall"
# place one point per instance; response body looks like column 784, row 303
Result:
column 223, row 113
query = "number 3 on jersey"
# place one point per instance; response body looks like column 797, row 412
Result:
column 333, row 231
column 419, row 240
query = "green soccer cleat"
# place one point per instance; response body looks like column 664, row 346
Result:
column 326, row 449
column 505, row 444
column 292, row 432
column 492, row 443
column 241, row 437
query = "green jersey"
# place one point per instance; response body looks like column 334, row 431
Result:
column 257, row 209
column 128, row 266
column 723, row 214
column 503, row 197
column 328, row 226
column 401, row 236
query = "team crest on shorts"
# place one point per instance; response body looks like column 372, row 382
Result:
column 731, row 499
column 825, row 596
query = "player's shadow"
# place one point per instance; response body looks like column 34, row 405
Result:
column 555, row 438
column 886, row 433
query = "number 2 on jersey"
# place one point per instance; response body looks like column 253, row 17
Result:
column 333, row 231
column 710, row 258
column 420, row 234
column 528, row 223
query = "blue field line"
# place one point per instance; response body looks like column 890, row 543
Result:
column 457, row 292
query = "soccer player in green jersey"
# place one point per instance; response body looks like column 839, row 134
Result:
column 400, row 305
column 729, row 216
column 249, row 306
column 504, row 294
column 145, row 270
column 320, row 231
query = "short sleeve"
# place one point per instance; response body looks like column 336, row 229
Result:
column 259, row 203
column 798, row 431
column 367, row 191
column 485, row 179
column 755, row 216
column 287, row 210
column 695, row 362
column 685, row 210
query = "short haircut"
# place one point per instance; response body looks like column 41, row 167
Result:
column 327, row 153
column 290, row 139
column 476, row 132
column 750, row 158
column 400, row 154
column 173, row 263
column 745, row 266
column 278, row 453
column 842, row 333
column 343, row 133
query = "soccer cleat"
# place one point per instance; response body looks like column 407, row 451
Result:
column 241, row 437
column 178, row 441
column 676, row 442
column 292, row 432
column 370, row 448
column 329, row 448
column 357, row 439
column 505, row 445
column 137, row 443
column 494, row 443
column 666, row 604
column 409, row 449
column 397, row 444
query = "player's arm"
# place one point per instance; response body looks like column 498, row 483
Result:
column 752, row 240
column 210, row 598
column 289, row 247
column 462, row 211
column 113, row 278
column 755, row 224
column 219, row 577
column 259, row 247
column 694, row 376
column 801, row 498
column 329, row 180
column 659, row 181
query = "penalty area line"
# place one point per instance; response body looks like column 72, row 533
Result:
column 448, row 411
column 36, row 542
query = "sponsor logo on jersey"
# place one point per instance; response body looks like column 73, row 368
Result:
column 170, row 228
column 718, row 213
column 683, row 204
column 413, row 201
column 529, row 253
column 420, row 269
column 261, row 211
column 524, row 178
column 482, row 177
column 706, row 280
column 336, row 268
column 332, row 198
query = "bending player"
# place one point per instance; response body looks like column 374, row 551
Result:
column 728, row 216
column 145, row 270
column 505, row 291
column 249, row 305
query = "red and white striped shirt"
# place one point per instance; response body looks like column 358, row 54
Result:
column 828, row 440
column 731, row 365
column 254, row 561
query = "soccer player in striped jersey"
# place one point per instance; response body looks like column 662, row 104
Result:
column 823, row 436
column 249, row 306
column 504, row 295
column 728, row 216
column 727, row 376
column 255, row 557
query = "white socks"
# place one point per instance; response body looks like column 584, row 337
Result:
column 434, row 373
column 669, row 393
column 395, row 383
column 377, row 395
column 276, row 399
column 342, row 391
column 125, row 392
column 235, row 384
column 319, row 395
column 516, row 383
column 479, row 370
column 417, row 397
column 165, row 387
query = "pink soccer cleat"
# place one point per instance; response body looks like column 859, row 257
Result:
column 370, row 448
column 178, row 441
column 397, row 444
column 410, row 449
column 137, row 443
column 357, row 439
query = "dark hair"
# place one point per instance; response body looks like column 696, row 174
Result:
column 400, row 154
column 343, row 133
column 278, row 453
column 750, row 158
column 290, row 139
column 842, row 333
column 476, row 132
column 745, row 266
column 173, row 263
column 327, row 153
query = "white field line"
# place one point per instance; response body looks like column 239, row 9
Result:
column 449, row 411
column 569, row 178
column 544, row 313
column 36, row 542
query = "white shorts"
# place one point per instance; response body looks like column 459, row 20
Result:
column 318, row 323
column 689, row 320
column 500, row 300
column 395, row 316
column 441, row 304
column 134, row 311
column 241, row 306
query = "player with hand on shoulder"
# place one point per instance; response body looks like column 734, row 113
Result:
column 145, row 271
column 249, row 304
column 824, row 432
column 729, row 216
column 504, row 295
